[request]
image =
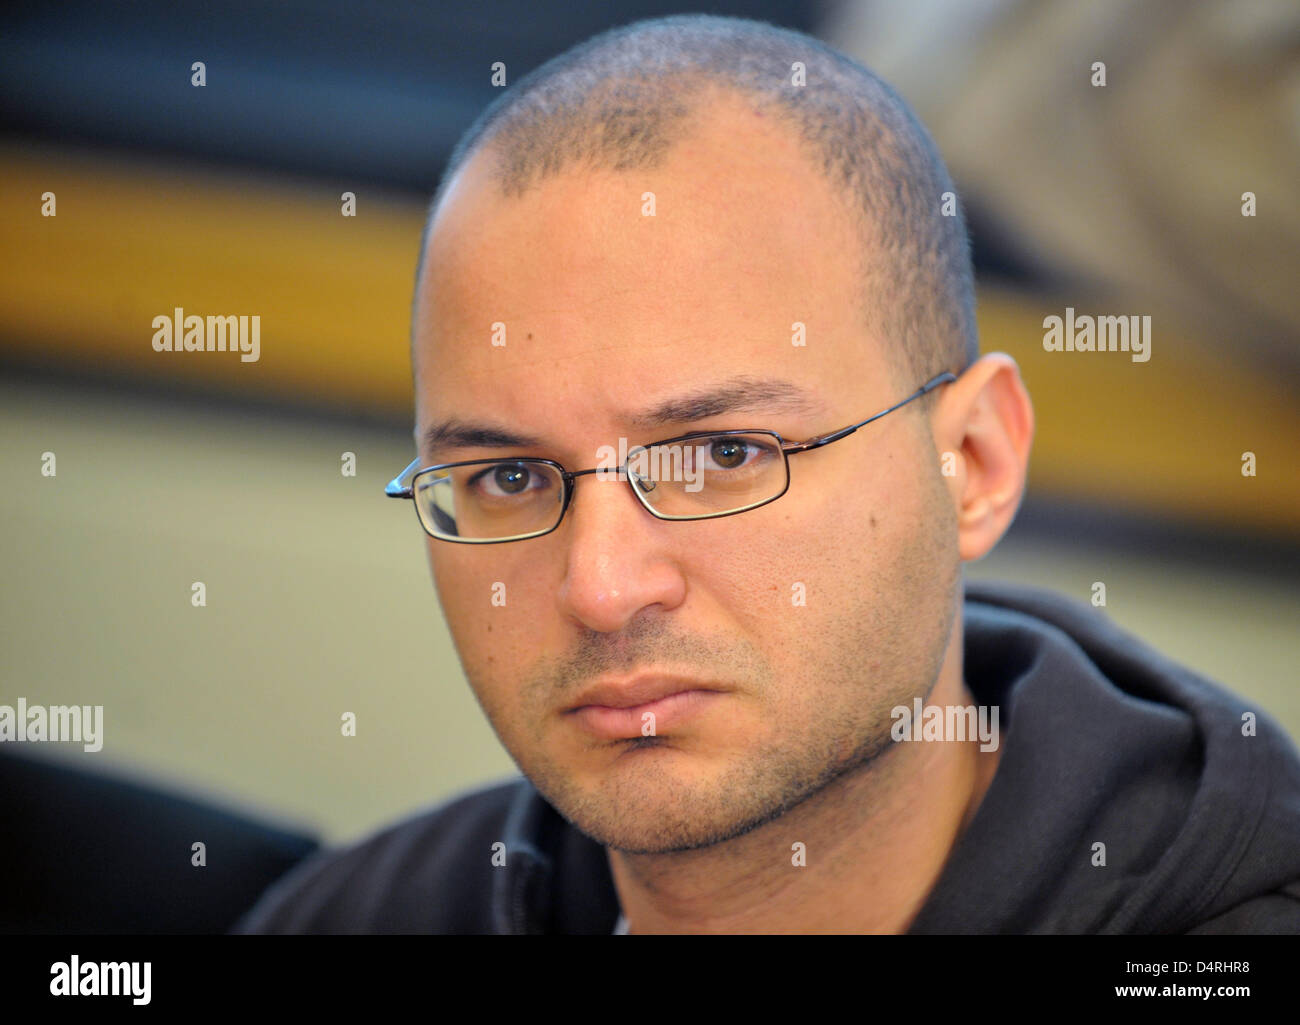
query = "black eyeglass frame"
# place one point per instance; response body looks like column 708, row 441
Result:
column 397, row 489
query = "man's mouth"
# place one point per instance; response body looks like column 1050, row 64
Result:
column 643, row 706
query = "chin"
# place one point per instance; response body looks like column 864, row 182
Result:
column 644, row 807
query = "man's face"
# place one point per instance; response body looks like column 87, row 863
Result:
column 609, row 312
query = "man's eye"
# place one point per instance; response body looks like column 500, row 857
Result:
column 506, row 480
column 728, row 453
column 733, row 453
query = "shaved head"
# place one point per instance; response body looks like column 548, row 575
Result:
column 623, row 99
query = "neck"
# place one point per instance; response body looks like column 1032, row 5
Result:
column 874, row 843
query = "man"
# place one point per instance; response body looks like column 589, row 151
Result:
column 708, row 656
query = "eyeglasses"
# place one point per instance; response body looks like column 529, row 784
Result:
column 696, row 476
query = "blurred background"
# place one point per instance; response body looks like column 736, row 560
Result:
column 1120, row 199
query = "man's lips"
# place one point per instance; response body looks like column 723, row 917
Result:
column 624, row 723
column 618, row 711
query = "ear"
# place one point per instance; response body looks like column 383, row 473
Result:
column 983, row 428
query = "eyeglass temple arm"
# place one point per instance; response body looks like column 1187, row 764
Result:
column 395, row 488
column 826, row 439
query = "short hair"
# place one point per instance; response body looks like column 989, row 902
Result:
column 622, row 99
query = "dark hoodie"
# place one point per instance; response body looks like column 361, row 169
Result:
column 1104, row 740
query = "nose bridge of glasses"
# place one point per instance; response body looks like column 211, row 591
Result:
column 646, row 467
column 624, row 472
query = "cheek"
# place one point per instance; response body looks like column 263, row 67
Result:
column 490, row 613
column 472, row 601
column 854, row 565
column 754, row 562
column 778, row 578
column 822, row 548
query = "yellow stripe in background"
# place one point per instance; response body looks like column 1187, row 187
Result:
column 134, row 239
column 1165, row 437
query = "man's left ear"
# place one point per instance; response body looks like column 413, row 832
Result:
column 983, row 427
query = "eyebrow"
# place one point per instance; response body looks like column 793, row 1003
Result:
column 768, row 394
column 456, row 433
column 736, row 394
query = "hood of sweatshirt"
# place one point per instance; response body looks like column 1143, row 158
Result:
column 1194, row 790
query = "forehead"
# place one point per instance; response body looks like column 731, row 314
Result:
column 627, row 286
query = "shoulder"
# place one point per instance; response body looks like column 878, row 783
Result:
column 429, row 872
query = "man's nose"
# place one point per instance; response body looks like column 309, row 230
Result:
column 619, row 558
